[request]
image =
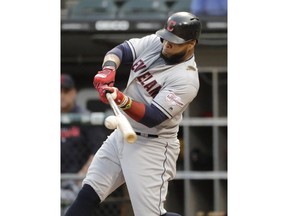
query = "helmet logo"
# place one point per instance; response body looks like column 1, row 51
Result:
column 171, row 25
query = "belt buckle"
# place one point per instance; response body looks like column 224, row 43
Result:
column 144, row 135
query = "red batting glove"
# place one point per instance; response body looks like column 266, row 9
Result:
column 117, row 96
column 105, row 77
column 120, row 99
column 102, row 93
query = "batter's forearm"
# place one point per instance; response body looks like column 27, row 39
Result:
column 111, row 58
column 136, row 111
column 149, row 116
column 119, row 54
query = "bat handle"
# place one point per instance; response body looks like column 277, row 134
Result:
column 123, row 123
column 112, row 104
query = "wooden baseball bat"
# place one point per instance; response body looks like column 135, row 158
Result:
column 123, row 123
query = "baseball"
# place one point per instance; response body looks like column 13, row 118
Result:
column 111, row 122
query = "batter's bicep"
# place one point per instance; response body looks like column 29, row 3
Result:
column 123, row 52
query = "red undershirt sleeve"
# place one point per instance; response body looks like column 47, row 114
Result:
column 149, row 116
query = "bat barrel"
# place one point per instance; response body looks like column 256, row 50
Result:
column 126, row 129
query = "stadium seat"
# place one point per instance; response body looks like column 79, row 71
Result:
column 181, row 5
column 210, row 7
column 144, row 10
column 93, row 10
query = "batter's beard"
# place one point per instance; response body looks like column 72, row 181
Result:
column 174, row 59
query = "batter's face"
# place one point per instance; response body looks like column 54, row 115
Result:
column 175, row 53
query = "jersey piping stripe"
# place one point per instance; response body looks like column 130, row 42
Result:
column 132, row 49
column 164, row 171
column 162, row 108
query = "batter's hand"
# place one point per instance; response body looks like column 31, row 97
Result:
column 105, row 77
column 102, row 92
column 120, row 99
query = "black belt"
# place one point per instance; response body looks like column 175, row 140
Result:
column 147, row 135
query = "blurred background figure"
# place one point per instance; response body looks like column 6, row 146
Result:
column 79, row 142
column 68, row 95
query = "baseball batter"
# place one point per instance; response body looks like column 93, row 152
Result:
column 163, row 81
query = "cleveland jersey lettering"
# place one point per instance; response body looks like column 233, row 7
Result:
column 138, row 66
column 149, row 84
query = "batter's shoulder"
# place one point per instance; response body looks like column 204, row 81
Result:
column 184, row 74
column 187, row 68
column 154, row 38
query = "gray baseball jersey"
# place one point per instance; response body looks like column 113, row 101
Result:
column 169, row 87
column 150, row 163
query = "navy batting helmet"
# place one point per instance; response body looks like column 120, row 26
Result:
column 180, row 28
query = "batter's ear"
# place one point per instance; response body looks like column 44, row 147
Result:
column 191, row 44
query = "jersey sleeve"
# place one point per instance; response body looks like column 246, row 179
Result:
column 176, row 94
column 138, row 45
